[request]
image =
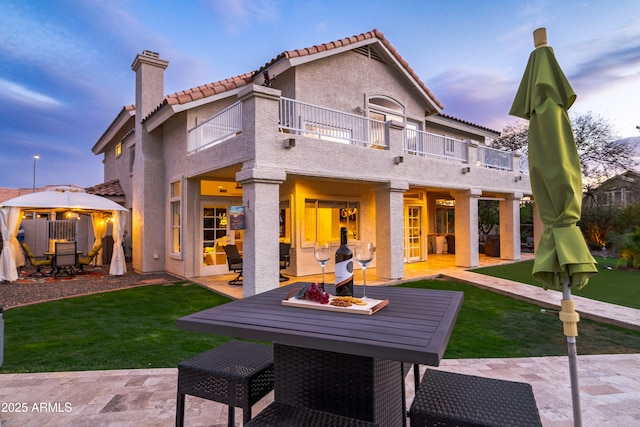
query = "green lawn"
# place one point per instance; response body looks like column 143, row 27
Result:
column 493, row 325
column 621, row 287
column 132, row 328
column 135, row 328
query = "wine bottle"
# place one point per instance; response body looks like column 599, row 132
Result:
column 344, row 267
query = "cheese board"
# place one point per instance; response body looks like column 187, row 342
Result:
column 366, row 306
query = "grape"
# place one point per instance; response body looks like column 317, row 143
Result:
column 314, row 292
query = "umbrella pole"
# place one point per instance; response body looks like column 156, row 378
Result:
column 570, row 320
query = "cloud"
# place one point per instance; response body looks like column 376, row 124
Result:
column 481, row 97
column 240, row 14
column 18, row 93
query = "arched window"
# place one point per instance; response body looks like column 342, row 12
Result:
column 384, row 108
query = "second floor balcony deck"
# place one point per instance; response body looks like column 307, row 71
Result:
column 325, row 124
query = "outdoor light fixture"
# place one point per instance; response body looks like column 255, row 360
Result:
column 466, row 170
column 289, row 143
column 518, row 178
column 398, row 159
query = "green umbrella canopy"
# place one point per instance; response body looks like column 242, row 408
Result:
column 543, row 98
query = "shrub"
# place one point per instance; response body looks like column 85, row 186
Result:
column 629, row 248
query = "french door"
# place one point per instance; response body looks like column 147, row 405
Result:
column 413, row 233
column 215, row 234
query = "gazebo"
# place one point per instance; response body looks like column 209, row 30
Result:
column 59, row 199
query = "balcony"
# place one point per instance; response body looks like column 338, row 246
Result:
column 492, row 158
column 331, row 125
column 428, row 144
column 325, row 124
column 220, row 127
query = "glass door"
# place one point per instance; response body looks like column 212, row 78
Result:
column 413, row 234
column 214, row 237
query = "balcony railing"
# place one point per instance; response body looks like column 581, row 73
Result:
column 495, row 159
column 323, row 123
column 421, row 143
column 226, row 124
column 524, row 165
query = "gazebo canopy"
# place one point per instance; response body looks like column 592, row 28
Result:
column 63, row 199
column 55, row 200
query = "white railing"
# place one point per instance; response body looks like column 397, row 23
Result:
column 225, row 124
column 494, row 159
column 323, row 123
column 421, row 143
column 524, row 165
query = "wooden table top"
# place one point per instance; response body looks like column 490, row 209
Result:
column 414, row 327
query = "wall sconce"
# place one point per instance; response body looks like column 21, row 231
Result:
column 289, row 143
column 466, row 170
column 518, row 178
column 358, row 110
column 398, row 159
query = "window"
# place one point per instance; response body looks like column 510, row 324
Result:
column 384, row 109
column 175, row 217
column 119, row 150
column 132, row 157
column 324, row 218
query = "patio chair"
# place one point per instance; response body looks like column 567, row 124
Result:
column 237, row 374
column 452, row 399
column 36, row 262
column 285, row 259
column 234, row 261
column 86, row 260
column 65, row 258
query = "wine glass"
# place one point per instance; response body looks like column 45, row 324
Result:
column 364, row 255
column 322, row 252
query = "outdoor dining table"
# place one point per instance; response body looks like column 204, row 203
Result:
column 340, row 362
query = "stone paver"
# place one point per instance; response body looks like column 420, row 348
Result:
column 609, row 384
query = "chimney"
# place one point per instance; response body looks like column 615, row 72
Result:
column 149, row 69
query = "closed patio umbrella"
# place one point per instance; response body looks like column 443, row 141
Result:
column 562, row 260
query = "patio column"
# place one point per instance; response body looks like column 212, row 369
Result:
column 510, row 227
column 466, row 223
column 261, row 248
column 389, row 226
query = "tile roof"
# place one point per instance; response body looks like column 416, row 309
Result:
column 7, row 193
column 126, row 109
column 203, row 91
column 289, row 54
column 110, row 188
column 467, row 123
column 221, row 86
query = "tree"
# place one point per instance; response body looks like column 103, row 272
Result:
column 602, row 153
column 488, row 216
column 598, row 225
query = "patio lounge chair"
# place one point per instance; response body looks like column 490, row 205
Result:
column 36, row 262
column 234, row 261
column 86, row 260
column 285, row 259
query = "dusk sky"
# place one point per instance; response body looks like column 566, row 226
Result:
column 65, row 65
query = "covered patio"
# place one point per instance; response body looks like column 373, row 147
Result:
column 435, row 266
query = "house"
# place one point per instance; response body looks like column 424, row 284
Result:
column 342, row 134
column 619, row 191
